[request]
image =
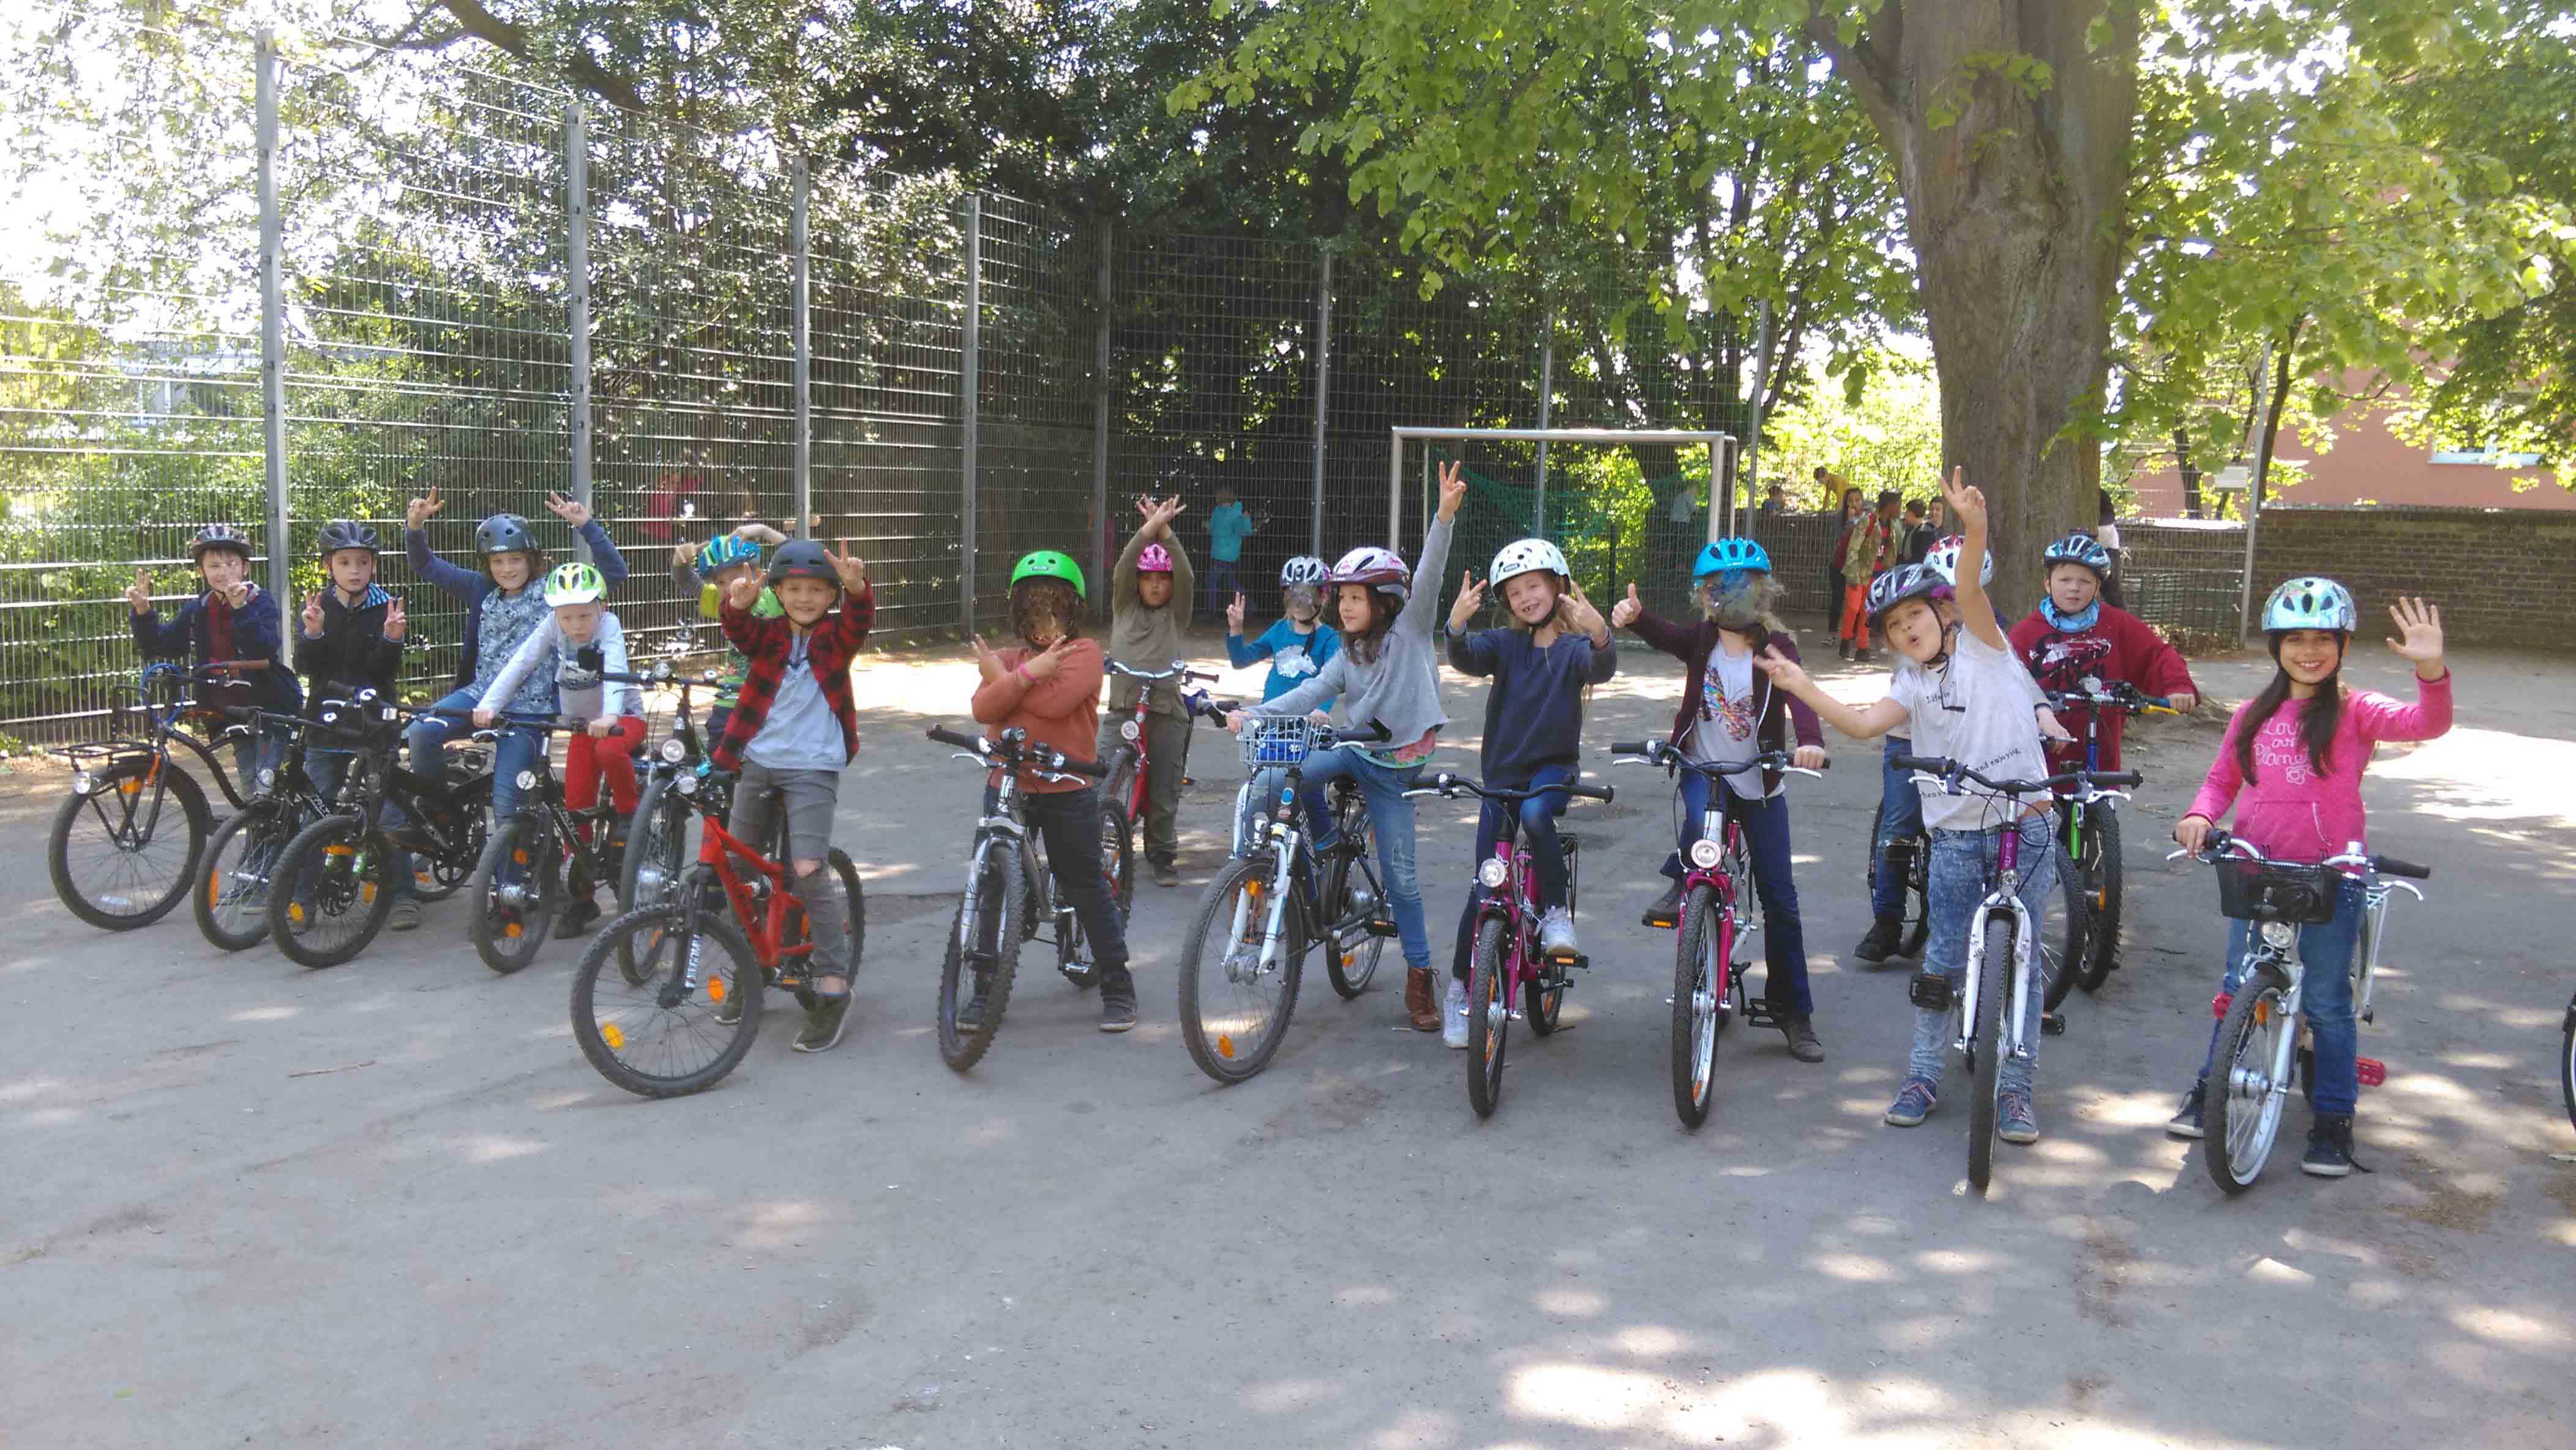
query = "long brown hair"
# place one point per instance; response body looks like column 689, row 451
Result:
column 1364, row 646
column 2316, row 724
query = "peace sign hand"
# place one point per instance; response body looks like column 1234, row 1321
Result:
column 1580, row 616
column 988, row 665
column 139, row 593
column 313, row 616
column 1471, row 597
column 743, row 590
column 396, row 622
column 1453, row 489
column 852, row 569
column 1968, row 502
column 1625, row 612
column 421, row 510
column 571, row 510
column 1234, row 614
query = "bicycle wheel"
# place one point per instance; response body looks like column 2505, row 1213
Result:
column 1489, row 1019
column 1352, row 953
column 854, row 912
column 332, row 891
column 1699, row 989
column 1914, row 910
column 2567, row 1062
column 1993, row 986
column 2101, row 899
column 661, row 1037
column 514, row 892
column 2245, row 1102
column 2061, row 943
column 435, row 877
column 1234, row 1012
column 995, row 955
column 1118, row 853
column 231, row 895
column 654, row 843
column 123, row 854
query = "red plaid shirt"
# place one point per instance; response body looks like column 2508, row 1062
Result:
column 765, row 642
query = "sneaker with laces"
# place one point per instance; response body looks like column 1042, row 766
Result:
column 1117, row 999
column 2186, row 1123
column 1667, row 908
column 1556, row 933
column 824, row 1024
column 404, row 915
column 1914, row 1102
column 2014, row 1121
column 2329, row 1152
column 1453, row 1015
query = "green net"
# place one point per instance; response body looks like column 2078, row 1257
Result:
column 1616, row 527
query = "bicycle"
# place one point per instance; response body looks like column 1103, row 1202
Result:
column 2256, row 1050
column 1910, row 856
column 547, row 856
column 1716, row 915
column 1277, row 900
column 2090, row 829
column 1122, row 801
column 1010, row 888
column 124, row 789
column 1986, row 1029
column 660, row 1001
column 336, row 869
column 1507, row 961
column 659, row 834
column 233, row 876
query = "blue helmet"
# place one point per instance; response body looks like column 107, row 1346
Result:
column 2078, row 547
column 2311, row 602
column 723, row 552
column 1729, row 555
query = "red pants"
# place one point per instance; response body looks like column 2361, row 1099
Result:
column 1856, row 615
column 589, row 759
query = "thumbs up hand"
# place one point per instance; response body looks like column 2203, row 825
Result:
column 1625, row 612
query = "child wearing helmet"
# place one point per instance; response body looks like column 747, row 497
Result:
column 1150, row 604
column 230, row 634
column 1966, row 698
column 503, row 606
column 2291, row 765
column 1298, row 646
column 793, row 730
column 1731, row 711
column 1554, row 649
column 1049, row 685
column 2075, row 636
column 709, row 571
column 1386, row 674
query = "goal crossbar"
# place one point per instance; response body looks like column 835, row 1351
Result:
column 1721, row 451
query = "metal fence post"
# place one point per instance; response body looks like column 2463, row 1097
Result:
column 577, row 303
column 800, row 326
column 1546, row 396
column 1323, row 394
column 1100, row 407
column 966, row 399
column 1721, row 464
column 272, row 331
column 1751, row 453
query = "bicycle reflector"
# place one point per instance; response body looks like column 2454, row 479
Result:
column 2371, row 1071
column 1704, row 853
column 527, row 780
column 2219, row 1004
column 1493, row 873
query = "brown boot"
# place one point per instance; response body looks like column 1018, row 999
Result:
column 1421, row 1003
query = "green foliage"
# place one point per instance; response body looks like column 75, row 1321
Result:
column 1885, row 435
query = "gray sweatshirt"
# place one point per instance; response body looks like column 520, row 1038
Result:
column 1400, row 689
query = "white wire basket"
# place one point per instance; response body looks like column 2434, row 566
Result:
column 1268, row 741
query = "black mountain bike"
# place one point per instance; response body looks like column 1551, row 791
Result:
column 240, row 859
column 545, row 858
column 125, row 845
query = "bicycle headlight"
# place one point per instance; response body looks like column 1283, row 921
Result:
column 1127, row 730
column 84, row 783
column 674, row 750
column 1493, row 873
column 1704, row 853
column 527, row 780
column 267, row 777
column 685, row 785
column 2279, row 935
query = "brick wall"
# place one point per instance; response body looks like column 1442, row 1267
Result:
column 2499, row 575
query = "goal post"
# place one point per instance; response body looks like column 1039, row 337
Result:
column 1721, row 458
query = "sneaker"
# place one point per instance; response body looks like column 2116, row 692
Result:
column 1802, row 1036
column 729, row 1011
column 2014, row 1121
column 2329, row 1152
column 1117, row 999
column 1914, row 1102
column 1842, row 646
column 1453, row 1015
column 1417, row 1000
column 1556, row 933
column 2187, row 1122
column 405, row 915
column 1667, row 910
column 823, row 1025
column 1864, row 656
column 1886, row 934
column 970, row 1013
column 1166, row 874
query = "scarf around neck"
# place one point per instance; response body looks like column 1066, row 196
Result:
column 2075, row 623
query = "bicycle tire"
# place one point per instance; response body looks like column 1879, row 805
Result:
column 2567, row 1062
column 655, row 839
column 2060, row 947
column 1705, row 938
column 1489, row 1019
column 374, row 896
column 231, row 903
column 1118, row 854
column 507, row 935
column 2101, row 901
column 962, row 1048
column 122, row 910
column 1997, row 971
column 1220, row 1054
column 2228, row 1117
column 672, row 935
column 1351, row 967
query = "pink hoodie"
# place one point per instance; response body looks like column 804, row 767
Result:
column 2292, row 813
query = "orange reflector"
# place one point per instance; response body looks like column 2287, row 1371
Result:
column 338, row 850
column 1225, row 1046
column 2263, row 1012
column 1347, row 958
column 511, row 931
column 295, row 912
column 609, row 1033
column 715, row 989
column 129, row 785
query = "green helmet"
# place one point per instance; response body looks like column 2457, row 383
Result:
column 1050, row 564
column 575, row 583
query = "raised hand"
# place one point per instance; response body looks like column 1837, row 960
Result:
column 313, row 616
column 852, row 569
column 2192, row 834
column 987, row 663
column 572, row 511
column 1234, row 614
column 139, row 593
column 682, row 554
column 1580, row 616
column 396, row 622
column 1968, row 502
column 1047, row 661
column 1471, row 597
column 743, row 591
column 1158, row 519
column 1783, row 670
column 1625, row 612
column 1453, row 488
column 420, row 511
column 2419, row 626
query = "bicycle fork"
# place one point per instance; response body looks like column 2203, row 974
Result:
column 2016, row 1032
column 1274, row 925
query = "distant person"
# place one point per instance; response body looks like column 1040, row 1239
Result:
column 1228, row 526
column 1916, row 532
column 1830, row 488
column 1869, row 552
column 1833, row 596
column 1775, row 502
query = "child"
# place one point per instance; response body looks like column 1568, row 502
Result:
column 1967, row 699
column 1870, row 552
column 1151, row 593
column 1049, row 686
column 1731, row 711
column 606, row 746
column 1556, row 646
column 711, row 572
column 1297, row 646
column 2297, row 752
column 793, row 731
column 502, row 608
column 351, row 639
column 1228, row 526
column 233, row 629
column 1391, row 677
column 2073, row 636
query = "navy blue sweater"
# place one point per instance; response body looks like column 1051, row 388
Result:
column 1534, row 712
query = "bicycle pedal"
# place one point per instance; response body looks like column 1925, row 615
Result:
column 2052, row 1024
column 1571, row 959
column 2370, row 1015
column 1380, row 926
column 2371, row 1071
column 1665, row 921
column 1759, row 1014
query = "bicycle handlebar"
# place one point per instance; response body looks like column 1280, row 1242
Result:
column 2222, row 843
column 1010, row 753
column 1661, row 752
column 1446, row 784
column 2117, row 696
column 1952, row 772
column 1180, row 670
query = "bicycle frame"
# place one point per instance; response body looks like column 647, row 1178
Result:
column 764, row 930
column 1293, row 877
column 1518, row 909
column 2282, row 961
column 2004, row 897
column 1132, row 731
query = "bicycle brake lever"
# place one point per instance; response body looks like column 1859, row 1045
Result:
column 2409, row 887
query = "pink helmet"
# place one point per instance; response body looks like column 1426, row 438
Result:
column 1155, row 560
column 1377, row 568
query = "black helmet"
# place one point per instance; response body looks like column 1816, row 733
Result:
column 505, row 534
column 803, row 559
column 218, row 536
column 347, row 534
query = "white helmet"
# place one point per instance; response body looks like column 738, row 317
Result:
column 1377, row 568
column 1304, row 569
column 1523, row 556
column 1944, row 559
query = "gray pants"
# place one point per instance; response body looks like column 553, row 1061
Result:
column 807, row 797
column 1960, row 861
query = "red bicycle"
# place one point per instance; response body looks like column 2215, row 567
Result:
column 1716, row 916
column 1122, row 800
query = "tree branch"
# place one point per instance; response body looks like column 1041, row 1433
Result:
column 513, row 39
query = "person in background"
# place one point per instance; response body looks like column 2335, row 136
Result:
column 1870, row 553
column 1916, row 532
column 1774, row 502
column 2106, row 532
column 1836, row 602
column 1150, row 592
column 1228, row 526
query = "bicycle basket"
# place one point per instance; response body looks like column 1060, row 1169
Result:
column 1284, row 741
column 2275, row 891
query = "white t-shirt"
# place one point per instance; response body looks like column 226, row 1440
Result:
column 1727, row 730
column 1977, row 710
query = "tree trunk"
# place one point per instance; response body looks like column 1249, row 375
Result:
column 2013, row 205
column 2272, row 415
column 2190, row 475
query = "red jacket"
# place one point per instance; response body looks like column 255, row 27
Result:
column 835, row 641
column 2119, row 646
column 1060, row 712
column 1778, row 711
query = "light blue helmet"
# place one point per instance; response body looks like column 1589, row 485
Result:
column 723, row 552
column 1730, row 554
column 2311, row 602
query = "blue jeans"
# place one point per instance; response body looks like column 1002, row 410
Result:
column 1535, row 820
column 516, row 751
column 326, row 769
column 1263, row 798
column 1962, row 864
column 1391, row 821
column 1221, row 585
column 2326, row 957
column 1900, row 814
column 1766, row 839
column 262, row 749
